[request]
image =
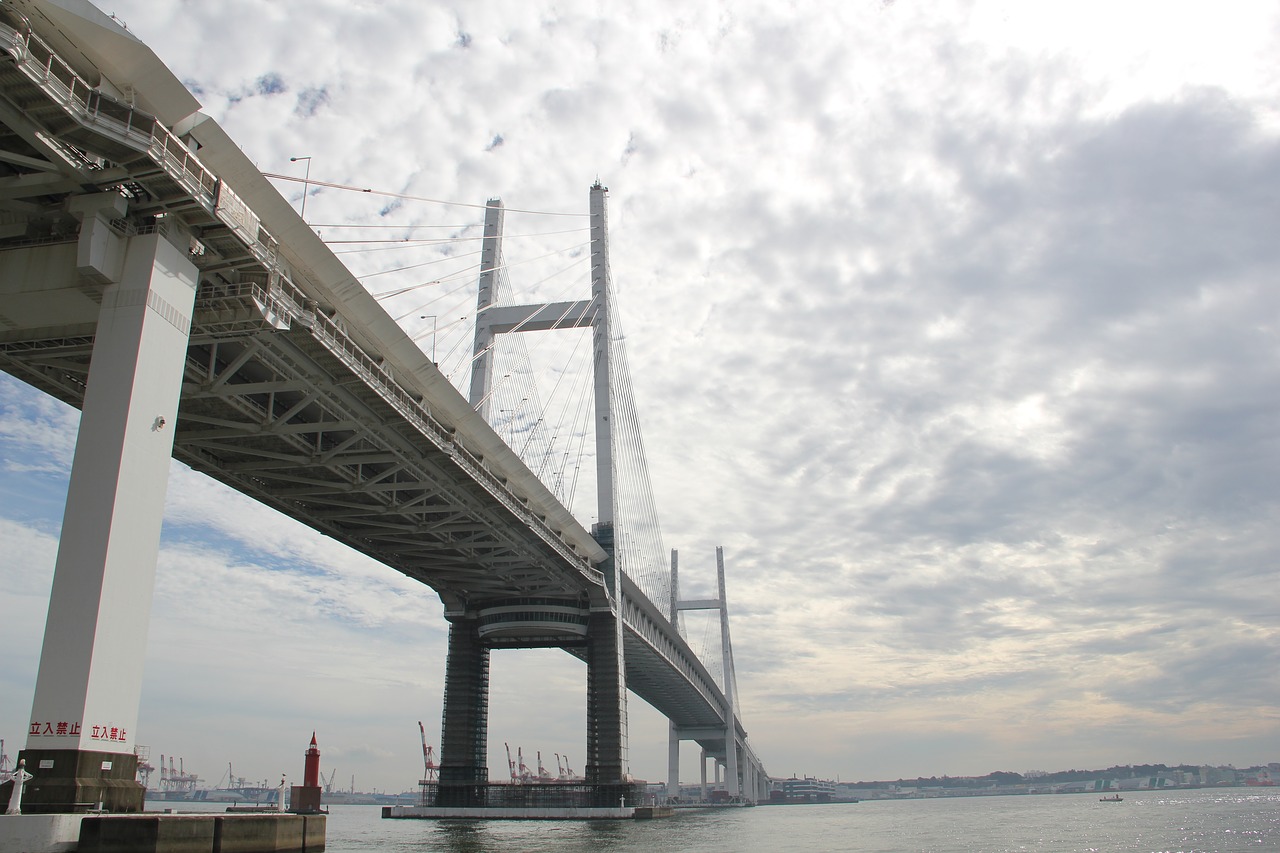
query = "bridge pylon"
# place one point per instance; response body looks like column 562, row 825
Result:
column 744, row 777
column 599, row 637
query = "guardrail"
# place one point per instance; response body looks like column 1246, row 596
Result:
column 128, row 125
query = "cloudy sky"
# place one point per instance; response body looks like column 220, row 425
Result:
column 956, row 323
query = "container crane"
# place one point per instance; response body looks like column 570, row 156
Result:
column 428, row 758
column 525, row 774
column 511, row 765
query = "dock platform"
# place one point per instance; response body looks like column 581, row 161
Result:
column 508, row 813
column 526, row 813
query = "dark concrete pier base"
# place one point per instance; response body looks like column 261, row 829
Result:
column 163, row 833
column 73, row 780
column 305, row 799
column 606, row 704
column 464, row 765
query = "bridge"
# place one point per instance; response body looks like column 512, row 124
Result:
column 151, row 276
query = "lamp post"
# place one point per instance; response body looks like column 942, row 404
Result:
column 306, row 184
column 432, row 318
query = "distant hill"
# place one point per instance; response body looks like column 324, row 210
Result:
column 1002, row 778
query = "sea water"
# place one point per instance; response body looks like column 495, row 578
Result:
column 1192, row 821
column 1195, row 821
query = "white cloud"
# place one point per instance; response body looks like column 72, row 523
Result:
column 954, row 324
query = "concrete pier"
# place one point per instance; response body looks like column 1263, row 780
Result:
column 40, row 833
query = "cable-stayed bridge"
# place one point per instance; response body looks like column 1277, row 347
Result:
column 151, row 276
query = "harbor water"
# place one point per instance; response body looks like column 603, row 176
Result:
column 1228, row 820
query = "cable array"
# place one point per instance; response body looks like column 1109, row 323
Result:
column 637, row 531
column 549, row 436
column 424, row 273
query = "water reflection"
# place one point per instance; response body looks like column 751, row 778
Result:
column 463, row 836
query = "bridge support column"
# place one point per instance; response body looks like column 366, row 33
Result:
column 85, row 711
column 703, row 766
column 673, row 761
column 464, row 767
column 606, row 701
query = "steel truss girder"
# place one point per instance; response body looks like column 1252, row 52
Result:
column 270, row 363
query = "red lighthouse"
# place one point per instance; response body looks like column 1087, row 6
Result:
column 311, row 768
column 306, row 797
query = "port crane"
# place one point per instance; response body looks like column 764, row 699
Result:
column 176, row 779
column 525, row 774
column 429, row 765
column 565, row 771
column 511, row 765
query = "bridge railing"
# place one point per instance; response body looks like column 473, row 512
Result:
column 43, row 65
column 378, row 377
column 134, row 127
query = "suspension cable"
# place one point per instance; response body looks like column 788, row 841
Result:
column 388, row 194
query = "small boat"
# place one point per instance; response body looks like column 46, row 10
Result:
column 1114, row 798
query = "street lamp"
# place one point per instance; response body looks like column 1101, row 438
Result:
column 306, row 184
column 432, row 318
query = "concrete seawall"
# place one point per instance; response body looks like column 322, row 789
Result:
column 163, row 833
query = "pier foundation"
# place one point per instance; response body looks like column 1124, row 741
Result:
column 464, row 768
column 606, row 701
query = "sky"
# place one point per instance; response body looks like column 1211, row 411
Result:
column 956, row 324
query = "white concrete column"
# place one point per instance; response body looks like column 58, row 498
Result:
column 730, row 715
column 673, row 734
column 482, row 351
column 702, row 764
column 90, row 678
column 673, row 760
column 600, row 354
